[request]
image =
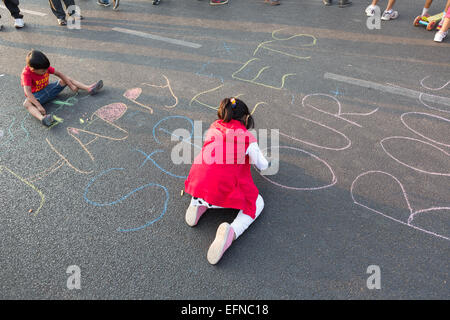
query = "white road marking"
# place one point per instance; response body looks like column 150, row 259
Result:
column 35, row 13
column 159, row 38
column 389, row 89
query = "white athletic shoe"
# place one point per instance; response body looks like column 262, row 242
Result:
column 440, row 36
column 18, row 23
column 389, row 15
column 370, row 11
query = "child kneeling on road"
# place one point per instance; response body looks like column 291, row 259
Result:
column 221, row 175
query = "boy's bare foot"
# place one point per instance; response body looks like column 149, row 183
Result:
column 95, row 88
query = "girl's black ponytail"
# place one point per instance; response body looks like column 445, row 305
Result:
column 232, row 108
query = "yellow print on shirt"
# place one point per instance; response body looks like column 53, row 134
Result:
column 41, row 84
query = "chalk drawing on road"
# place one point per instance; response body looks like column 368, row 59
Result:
column 107, row 114
column 324, row 163
column 268, row 45
column 348, row 144
column 169, row 87
column 445, row 134
column 197, row 99
column 133, row 94
column 335, row 102
column 126, row 196
column 13, row 139
column 413, row 214
column 258, row 74
column 29, row 184
column 430, row 88
column 383, row 142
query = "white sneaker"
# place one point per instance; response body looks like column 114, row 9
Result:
column 389, row 15
column 440, row 36
column 18, row 23
column 370, row 11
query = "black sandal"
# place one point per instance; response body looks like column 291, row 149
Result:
column 62, row 22
column 155, row 2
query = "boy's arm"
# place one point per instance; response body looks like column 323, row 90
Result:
column 66, row 79
column 32, row 99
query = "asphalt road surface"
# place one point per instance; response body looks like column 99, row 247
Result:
column 363, row 118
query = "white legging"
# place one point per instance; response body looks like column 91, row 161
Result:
column 242, row 221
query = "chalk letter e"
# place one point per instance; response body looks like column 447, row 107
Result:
column 74, row 281
column 374, row 281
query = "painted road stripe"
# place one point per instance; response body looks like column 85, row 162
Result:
column 159, row 38
column 35, row 13
column 389, row 89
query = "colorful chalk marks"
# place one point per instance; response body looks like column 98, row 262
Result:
column 147, row 187
column 36, row 211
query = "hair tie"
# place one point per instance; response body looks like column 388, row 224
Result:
column 233, row 102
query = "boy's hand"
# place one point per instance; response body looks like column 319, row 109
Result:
column 41, row 110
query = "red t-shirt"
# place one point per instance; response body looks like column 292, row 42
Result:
column 34, row 80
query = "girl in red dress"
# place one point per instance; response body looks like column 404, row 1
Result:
column 221, row 175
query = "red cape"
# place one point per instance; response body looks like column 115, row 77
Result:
column 221, row 173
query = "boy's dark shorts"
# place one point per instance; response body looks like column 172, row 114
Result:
column 49, row 93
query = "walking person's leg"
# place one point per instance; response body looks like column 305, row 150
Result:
column 58, row 11
column 13, row 7
column 442, row 34
column 389, row 13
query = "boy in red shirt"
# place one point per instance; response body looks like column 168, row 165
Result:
column 38, row 89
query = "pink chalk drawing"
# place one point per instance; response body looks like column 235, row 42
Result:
column 413, row 214
column 74, row 131
column 111, row 112
column 431, row 107
column 349, row 142
column 432, row 89
column 410, row 166
column 169, row 87
column 338, row 104
column 132, row 94
column 445, row 134
column 333, row 176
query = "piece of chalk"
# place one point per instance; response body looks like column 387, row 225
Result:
column 30, row 211
column 81, row 121
column 182, row 192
